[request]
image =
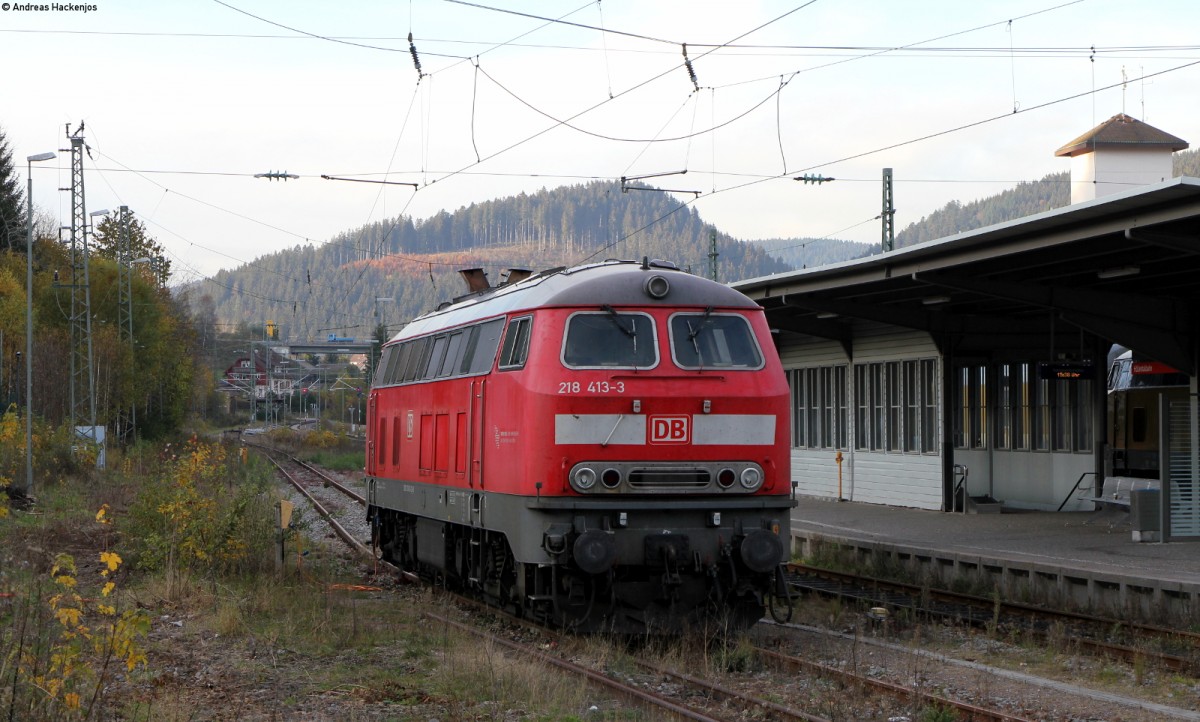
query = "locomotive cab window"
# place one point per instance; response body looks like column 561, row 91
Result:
column 609, row 339
column 516, row 344
column 709, row 340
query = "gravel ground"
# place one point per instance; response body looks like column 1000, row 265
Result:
column 960, row 673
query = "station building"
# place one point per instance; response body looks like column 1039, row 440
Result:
column 973, row 367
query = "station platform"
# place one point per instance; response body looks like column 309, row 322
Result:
column 1087, row 560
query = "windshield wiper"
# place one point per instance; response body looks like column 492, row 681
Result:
column 694, row 332
column 615, row 317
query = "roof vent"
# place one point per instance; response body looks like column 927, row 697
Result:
column 516, row 275
column 476, row 279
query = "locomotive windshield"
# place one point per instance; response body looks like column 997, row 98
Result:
column 708, row 340
column 610, row 339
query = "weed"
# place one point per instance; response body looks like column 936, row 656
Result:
column 937, row 713
column 59, row 652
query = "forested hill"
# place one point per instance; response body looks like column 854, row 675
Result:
column 813, row 252
column 1026, row 199
column 312, row 291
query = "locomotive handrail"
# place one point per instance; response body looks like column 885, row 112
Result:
column 1074, row 489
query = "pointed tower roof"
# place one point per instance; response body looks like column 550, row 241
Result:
column 1121, row 131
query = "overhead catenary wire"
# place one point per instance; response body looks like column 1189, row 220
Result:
column 426, row 168
column 900, row 144
column 622, row 93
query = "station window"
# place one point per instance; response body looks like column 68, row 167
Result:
column 820, row 407
column 896, row 407
column 929, row 407
column 1034, row 414
column 971, row 407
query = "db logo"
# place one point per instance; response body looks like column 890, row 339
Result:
column 670, row 429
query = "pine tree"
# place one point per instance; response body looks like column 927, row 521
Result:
column 12, row 200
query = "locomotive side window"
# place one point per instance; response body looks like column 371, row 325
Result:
column 708, row 340
column 480, row 353
column 610, row 339
column 516, row 344
column 396, row 370
column 395, row 358
column 417, row 359
column 381, row 371
column 440, row 344
column 453, row 355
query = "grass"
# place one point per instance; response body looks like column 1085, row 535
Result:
column 339, row 460
column 225, row 634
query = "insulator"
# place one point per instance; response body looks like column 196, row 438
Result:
column 413, row 50
column 691, row 71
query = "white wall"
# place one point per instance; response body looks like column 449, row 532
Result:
column 1040, row 479
column 912, row 480
column 1113, row 170
column 979, row 470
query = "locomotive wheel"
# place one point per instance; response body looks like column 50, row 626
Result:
column 500, row 574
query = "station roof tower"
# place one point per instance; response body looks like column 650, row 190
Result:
column 1119, row 154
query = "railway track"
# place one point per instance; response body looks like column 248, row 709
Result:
column 715, row 694
column 904, row 693
column 1178, row 652
column 717, row 698
column 661, row 703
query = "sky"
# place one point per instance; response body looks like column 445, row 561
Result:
column 184, row 102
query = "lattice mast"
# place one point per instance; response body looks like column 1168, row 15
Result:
column 83, row 393
column 888, row 215
column 128, row 416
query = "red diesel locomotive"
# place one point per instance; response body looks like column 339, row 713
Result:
column 600, row 448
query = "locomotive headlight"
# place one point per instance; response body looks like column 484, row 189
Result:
column 585, row 478
column 657, row 287
column 751, row 478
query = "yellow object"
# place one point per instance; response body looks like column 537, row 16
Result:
column 285, row 513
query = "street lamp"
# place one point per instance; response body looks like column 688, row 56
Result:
column 29, row 161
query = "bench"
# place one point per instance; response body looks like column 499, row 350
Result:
column 1117, row 490
column 1116, row 496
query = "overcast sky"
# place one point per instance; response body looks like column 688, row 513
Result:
column 185, row 101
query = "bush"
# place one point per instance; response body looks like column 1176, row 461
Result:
column 200, row 510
